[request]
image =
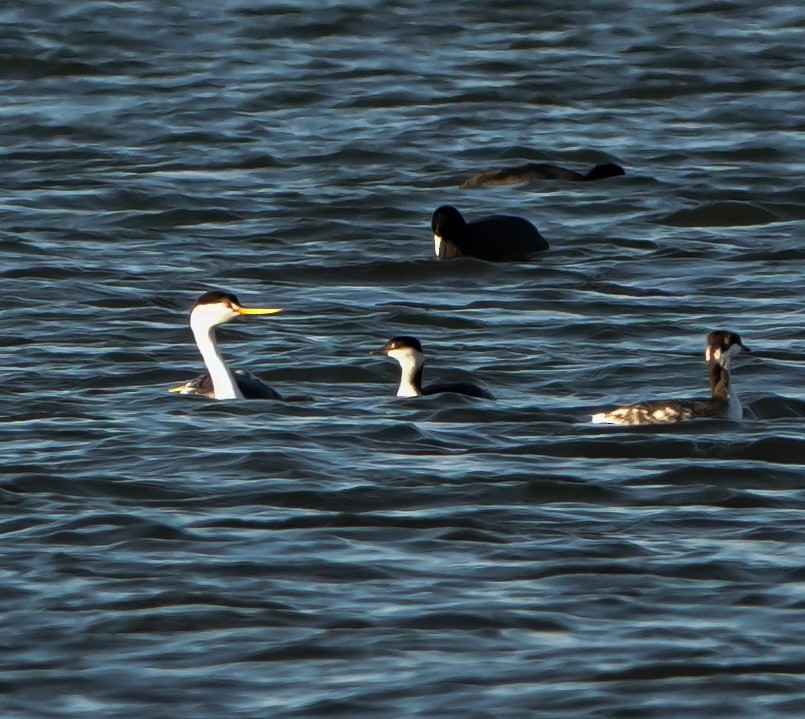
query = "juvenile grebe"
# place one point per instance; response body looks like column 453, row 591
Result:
column 496, row 238
column 212, row 309
column 408, row 352
column 723, row 402
column 539, row 171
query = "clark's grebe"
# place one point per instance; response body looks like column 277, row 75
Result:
column 723, row 402
column 496, row 238
column 408, row 352
column 215, row 308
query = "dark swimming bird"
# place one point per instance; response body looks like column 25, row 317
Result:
column 212, row 309
column 496, row 238
column 539, row 171
column 722, row 402
column 408, row 352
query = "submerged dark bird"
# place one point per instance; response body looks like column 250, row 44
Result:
column 532, row 171
column 408, row 352
column 722, row 402
column 215, row 308
column 495, row 239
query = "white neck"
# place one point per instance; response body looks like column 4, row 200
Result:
column 410, row 363
column 223, row 383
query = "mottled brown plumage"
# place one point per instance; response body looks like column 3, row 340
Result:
column 722, row 402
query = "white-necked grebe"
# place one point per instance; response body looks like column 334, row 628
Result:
column 215, row 308
column 408, row 352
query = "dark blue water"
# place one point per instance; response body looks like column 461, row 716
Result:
column 347, row 553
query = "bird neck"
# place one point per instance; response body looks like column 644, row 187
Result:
column 223, row 383
column 721, row 389
column 719, row 380
column 410, row 377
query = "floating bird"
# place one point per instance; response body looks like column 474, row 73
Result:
column 723, row 402
column 212, row 309
column 408, row 352
column 496, row 238
column 539, row 171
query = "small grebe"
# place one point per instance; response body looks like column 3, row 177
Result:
column 408, row 352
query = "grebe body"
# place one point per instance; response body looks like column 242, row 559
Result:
column 408, row 352
column 723, row 402
column 533, row 171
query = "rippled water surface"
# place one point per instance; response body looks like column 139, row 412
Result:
column 344, row 552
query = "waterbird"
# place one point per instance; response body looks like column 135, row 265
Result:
column 721, row 346
column 496, row 238
column 211, row 309
column 539, row 171
column 411, row 357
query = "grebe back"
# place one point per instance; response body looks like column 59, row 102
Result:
column 721, row 346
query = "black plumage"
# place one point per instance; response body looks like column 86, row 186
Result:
column 495, row 239
column 533, row 171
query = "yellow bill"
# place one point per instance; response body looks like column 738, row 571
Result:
column 258, row 310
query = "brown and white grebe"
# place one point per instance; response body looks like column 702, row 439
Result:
column 722, row 402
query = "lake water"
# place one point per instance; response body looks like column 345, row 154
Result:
column 346, row 553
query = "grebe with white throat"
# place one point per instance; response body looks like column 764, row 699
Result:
column 409, row 354
column 722, row 402
column 215, row 308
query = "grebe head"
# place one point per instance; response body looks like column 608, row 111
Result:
column 722, row 345
column 215, row 308
column 406, row 350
